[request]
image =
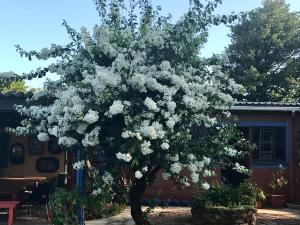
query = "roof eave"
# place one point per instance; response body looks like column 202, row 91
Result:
column 265, row 108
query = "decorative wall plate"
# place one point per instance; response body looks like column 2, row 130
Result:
column 17, row 154
column 47, row 164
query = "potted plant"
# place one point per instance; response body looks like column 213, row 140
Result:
column 260, row 198
column 226, row 204
column 277, row 183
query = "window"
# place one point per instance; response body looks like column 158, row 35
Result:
column 270, row 144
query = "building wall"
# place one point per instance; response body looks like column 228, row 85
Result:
column 28, row 168
column 261, row 174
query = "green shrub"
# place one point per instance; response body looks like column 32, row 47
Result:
column 98, row 207
column 246, row 194
column 64, row 204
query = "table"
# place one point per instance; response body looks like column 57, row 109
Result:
column 10, row 205
column 11, row 185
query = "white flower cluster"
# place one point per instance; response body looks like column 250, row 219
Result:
column 150, row 104
column 138, row 174
column 92, row 138
column 205, row 186
column 96, row 192
column 145, row 148
column 91, row 117
column 107, row 178
column 239, row 168
column 129, row 134
column 153, row 131
column 165, row 146
column 43, row 137
column 79, row 165
column 231, row 152
column 67, row 141
column 125, row 157
column 116, row 108
column 176, row 168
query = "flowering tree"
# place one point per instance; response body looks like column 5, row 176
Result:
column 137, row 90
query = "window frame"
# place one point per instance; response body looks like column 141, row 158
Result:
column 254, row 124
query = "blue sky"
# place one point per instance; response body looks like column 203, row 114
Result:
column 35, row 24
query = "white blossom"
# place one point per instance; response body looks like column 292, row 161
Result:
column 67, row 141
column 239, row 168
column 207, row 173
column 150, row 104
column 107, row 178
column 165, row 146
column 96, row 192
column 91, row 117
column 53, row 131
column 79, row 165
column 125, row 157
column 145, row 148
column 91, row 138
column 191, row 157
column 230, row 151
column 138, row 174
column 145, row 169
column 176, row 168
column 205, row 186
column 195, row 177
column 43, row 137
column 206, row 160
column 116, row 108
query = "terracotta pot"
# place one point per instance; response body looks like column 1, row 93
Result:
column 277, row 201
column 259, row 205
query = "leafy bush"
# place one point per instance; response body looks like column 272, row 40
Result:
column 63, row 206
column 98, row 207
column 246, row 194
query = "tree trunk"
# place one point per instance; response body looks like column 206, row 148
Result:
column 135, row 195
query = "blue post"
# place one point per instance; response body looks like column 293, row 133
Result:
column 80, row 186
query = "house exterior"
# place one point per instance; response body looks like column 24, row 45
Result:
column 273, row 127
column 25, row 156
column 275, row 130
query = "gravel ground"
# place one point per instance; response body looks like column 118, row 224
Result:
column 182, row 216
column 168, row 216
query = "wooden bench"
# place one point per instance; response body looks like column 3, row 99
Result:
column 10, row 205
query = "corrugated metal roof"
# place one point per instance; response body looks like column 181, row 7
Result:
column 266, row 106
column 288, row 104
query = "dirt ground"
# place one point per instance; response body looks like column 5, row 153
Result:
column 168, row 216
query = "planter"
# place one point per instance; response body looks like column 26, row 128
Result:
column 244, row 215
column 277, row 201
column 259, row 205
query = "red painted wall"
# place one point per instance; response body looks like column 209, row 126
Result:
column 167, row 190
